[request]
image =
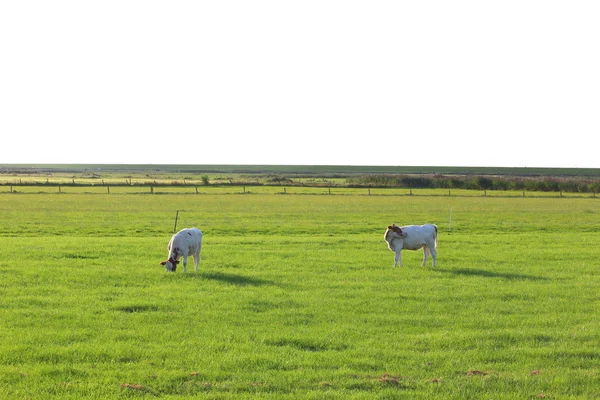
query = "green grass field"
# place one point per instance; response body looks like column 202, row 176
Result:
column 297, row 297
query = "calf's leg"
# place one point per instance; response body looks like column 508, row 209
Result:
column 185, row 263
column 196, row 259
column 433, row 254
column 197, row 255
column 425, row 255
column 397, row 259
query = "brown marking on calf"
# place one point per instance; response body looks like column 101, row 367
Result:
column 395, row 228
column 163, row 263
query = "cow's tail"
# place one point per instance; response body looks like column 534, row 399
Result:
column 435, row 233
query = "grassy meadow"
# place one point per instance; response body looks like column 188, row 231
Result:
column 297, row 297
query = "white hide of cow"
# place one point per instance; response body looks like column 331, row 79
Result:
column 412, row 237
column 186, row 242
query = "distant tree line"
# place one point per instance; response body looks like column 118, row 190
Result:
column 479, row 182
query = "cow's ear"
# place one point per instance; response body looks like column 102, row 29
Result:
column 163, row 263
column 390, row 227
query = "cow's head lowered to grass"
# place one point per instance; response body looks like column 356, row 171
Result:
column 170, row 264
column 186, row 242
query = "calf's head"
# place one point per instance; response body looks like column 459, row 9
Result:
column 392, row 232
column 170, row 264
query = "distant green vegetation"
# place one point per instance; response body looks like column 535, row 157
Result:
column 479, row 182
column 293, row 170
column 496, row 179
column 297, row 298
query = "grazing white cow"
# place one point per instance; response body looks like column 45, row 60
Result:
column 412, row 237
column 184, row 243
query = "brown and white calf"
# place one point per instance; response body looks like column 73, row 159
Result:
column 186, row 242
column 412, row 237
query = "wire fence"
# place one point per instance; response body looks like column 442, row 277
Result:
column 190, row 189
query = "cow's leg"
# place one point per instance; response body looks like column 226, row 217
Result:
column 425, row 255
column 430, row 246
column 433, row 254
column 397, row 259
column 197, row 258
column 185, row 263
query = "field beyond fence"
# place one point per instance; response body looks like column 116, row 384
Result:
column 284, row 180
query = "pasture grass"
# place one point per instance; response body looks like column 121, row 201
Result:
column 297, row 297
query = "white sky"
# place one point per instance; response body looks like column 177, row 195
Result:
column 468, row 83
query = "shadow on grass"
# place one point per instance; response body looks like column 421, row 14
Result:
column 492, row 274
column 308, row 344
column 233, row 279
column 137, row 308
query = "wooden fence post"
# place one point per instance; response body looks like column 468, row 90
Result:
column 59, row 190
column 176, row 218
column 152, row 189
column 369, row 191
column 108, row 189
column 196, row 189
